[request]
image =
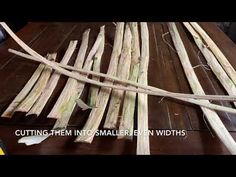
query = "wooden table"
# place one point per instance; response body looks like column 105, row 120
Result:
column 165, row 71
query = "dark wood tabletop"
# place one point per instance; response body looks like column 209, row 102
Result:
column 165, row 71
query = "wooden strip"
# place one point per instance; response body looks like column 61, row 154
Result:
column 93, row 91
column 29, row 35
column 23, row 93
column 51, row 85
column 144, row 88
column 143, row 145
column 211, row 115
column 66, row 102
column 212, row 62
column 96, row 114
column 127, row 117
column 123, row 73
column 39, row 86
column 216, row 51
column 207, row 78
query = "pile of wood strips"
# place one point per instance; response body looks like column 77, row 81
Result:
column 125, row 86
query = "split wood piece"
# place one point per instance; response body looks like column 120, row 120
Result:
column 36, row 91
column 143, row 144
column 122, row 73
column 145, row 88
column 216, row 51
column 52, row 83
column 66, row 103
column 155, row 91
column 24, row 92
column 96, row 114
column 30, row 140
column 212, row 62
column 211, row 115
column 93, row 90
column 127, row 117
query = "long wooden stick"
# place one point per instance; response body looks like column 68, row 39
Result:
column 144, row 88
column 51, row 85
column 24, row 92
column 123, row 73
column 216, row 51
column 143, row 144
column 93, row 90
column 157, row 92
column 211, row 115
column 96, row 114
column 73, row 89
column 212, row 62
column 36, row 91
column 127, row 117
